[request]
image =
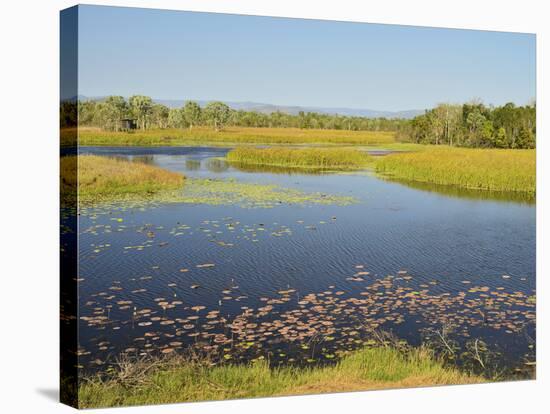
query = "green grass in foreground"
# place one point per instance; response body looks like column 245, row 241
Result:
column 233, row 135
column 104, row 178
column 179, row 380
column 483, row 169
column 314, row 158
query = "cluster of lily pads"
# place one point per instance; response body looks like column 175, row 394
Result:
column 293, row 327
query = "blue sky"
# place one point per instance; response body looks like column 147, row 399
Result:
column 204, row 56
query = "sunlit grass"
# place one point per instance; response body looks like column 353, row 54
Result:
column 316, row 158
column 484, row 169
column 103, row 178
column 180, row 380
column 233, row 135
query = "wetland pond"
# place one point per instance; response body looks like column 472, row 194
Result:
column 299, row 282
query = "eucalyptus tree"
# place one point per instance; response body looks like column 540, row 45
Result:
column 141, row 107
column 525, row 139
column 176, row 118
column 87, row 112
column 475, row 122
column 159, row 115
column 449, row 122
column 217, row 114
column 499, row 139
column 192, row 113
column 114, row 109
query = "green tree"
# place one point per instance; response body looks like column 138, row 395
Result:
column 114, row 109
column 192, row 113
column 486, row 134
column 499, row 139
column 525, row 139
column 475, row 122
column 217, row 114
column 141, row 106
column 159, row 115
column 176, row 118
column 450, row 117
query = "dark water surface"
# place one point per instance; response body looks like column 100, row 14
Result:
column 432, row 259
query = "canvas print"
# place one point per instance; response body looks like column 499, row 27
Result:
column 256, row 206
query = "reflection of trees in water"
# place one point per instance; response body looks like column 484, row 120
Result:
column 277, row 170
column 460, row 192
column 144, row 159
column 192, row 165
column 216, row 165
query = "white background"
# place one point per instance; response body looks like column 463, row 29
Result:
column 29, row 248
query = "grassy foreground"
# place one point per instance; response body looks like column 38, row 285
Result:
column 316, row 158
column 178, row 380
column 483, row 169
column 103, row 178
column 233, row 135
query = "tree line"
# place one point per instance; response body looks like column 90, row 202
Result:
column 474, row 125
column 469, row 125
column 108, row 113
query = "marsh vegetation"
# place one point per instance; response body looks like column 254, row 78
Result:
column 480, row 169
column 233, row 135
column 304, row 158
column 102, row 178
column 196, row 378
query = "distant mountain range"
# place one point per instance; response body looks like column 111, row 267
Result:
column 293, row 110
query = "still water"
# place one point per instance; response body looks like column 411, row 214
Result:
column 401, row 259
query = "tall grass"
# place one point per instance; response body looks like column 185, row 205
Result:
column 484, row 169
column 233, row 135
column 317, row 158
column 96, row 178
column 179, row 380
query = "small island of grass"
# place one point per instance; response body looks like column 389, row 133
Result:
column 303, row 158
column 106, row 178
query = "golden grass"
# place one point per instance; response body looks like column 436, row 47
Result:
column 106, row 179
column 483, row 169
column 180, row 380
column 233, row 135
column 101, row 178
column 316, row 158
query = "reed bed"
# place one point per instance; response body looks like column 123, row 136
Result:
column 306, row 158
column 233, row 135
column 100, row 178
column 179, row 380
column 482, row 169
